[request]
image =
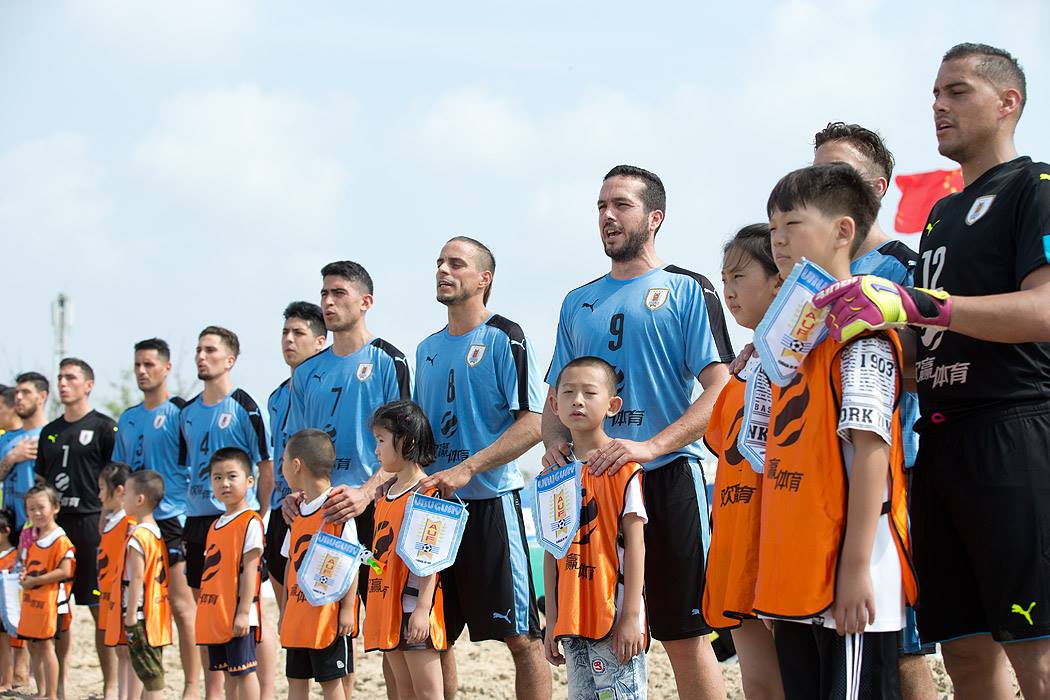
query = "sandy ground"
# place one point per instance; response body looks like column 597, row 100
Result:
column 485, row 670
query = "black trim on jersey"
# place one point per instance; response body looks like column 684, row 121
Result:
column 519, row 353
column 597, row 279
column 178, row 401
column 273, row 432
column 279, row 387
column 900, row 252
column 248, row 404
column 184, row 449
column 715, row 316
column 404, row 383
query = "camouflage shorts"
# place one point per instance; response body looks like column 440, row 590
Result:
column 146, row 660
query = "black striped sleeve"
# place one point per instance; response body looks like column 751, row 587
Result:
column 404, row 378
column 255, row 418
column 520, row 354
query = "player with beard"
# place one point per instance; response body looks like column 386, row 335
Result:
column 302, row 336
column 981, row 482
column 9, row 420
column 222, row 416
column 148, row 438
column 71, row 453
column 662, row 327
column 18, row 450
column 476, row 379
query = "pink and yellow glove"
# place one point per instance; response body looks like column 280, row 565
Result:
column 869, row 303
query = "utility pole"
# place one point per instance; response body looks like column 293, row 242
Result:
column 61, row 323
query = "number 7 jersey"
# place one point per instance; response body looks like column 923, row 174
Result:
column 659, row 331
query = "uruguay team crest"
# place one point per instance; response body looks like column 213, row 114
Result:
column 224, row 420
column 429, row 538
column 474, row 355
column 86, row 436
column 158, row 421
column 656, row 297
column 364, row 370
column 980, row 207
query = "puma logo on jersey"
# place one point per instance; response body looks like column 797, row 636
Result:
column 590, row 306
column 929, row 226
column 519, row 343
column 1044, row 176
column 51, row 438
column 1026, row 614
column 430, row 358
column 502, row 616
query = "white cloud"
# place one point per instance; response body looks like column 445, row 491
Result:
column 191, row 29
column 264, row 158
column 50, row 191
column 474, row 126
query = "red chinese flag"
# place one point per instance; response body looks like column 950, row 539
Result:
column 919, row 192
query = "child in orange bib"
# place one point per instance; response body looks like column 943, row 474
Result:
column 145, row 608
column 229, row 616
column 8, row 562
column 114, row 537
column 750, row 281
column 834, row 566
column 48, row 569
column 318, row 639
column 595, row 606
column 404, row 614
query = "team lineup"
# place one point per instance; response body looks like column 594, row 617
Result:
column 874, row 502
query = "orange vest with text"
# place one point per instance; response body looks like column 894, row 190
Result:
column 806, row 489
column 589, row 573
column 9, row 559
column 221, row 578
column 39, row 618
column 732, row 560
column 155, row 603
column 383, row 612
column 110, row 553
column 305, row 626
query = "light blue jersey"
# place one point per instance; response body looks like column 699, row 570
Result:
column 148, row 438
column 21, row 477
column 233, row 422
column 339, row 395
column 277, row 406
column 659, row 331
column 896, row 262
column 471, row 386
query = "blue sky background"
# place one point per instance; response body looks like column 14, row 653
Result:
column 174, row 165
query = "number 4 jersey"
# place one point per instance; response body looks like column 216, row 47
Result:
column 659, row 331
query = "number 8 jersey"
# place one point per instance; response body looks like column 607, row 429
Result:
column 659, row 331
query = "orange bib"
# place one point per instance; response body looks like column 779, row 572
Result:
column 155, row 603
column 9, row 559
column 805, row 492
column 305, row 626
column 732, row 561
column 589, row 573
column 383, row 611
column 220, row 580
column 40, row 605
column 110, row 553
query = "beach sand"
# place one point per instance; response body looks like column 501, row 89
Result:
column 485, row 670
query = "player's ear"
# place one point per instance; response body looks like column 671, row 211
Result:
column 615, row 404
column 845, row 230
column 366, row 301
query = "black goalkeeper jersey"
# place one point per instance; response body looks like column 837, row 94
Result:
column 70, row 457
column 982, row 241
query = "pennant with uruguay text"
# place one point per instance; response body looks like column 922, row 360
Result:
column 919, row 192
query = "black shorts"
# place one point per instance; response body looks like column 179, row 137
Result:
column 817, row 664
column 366, row 525
column 489, row 588
column 276, row 529
column 195, row 537
column 236, row 657
column 82, row 531
column 981, row 526
column 676, row 539
column 171, row 531
column 322, row 665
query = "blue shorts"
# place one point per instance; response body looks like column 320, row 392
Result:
column 595, row 672
column 236, row 657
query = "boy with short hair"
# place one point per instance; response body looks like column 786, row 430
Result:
column 116, row 524
column 317, row 638
column 229, row 617
column 833, row 562
column 599, row 621
column 49, row 567
column 145, row 607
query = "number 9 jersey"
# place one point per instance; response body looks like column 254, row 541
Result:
column 659, row 331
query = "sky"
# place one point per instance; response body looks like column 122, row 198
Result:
column 174, row 165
